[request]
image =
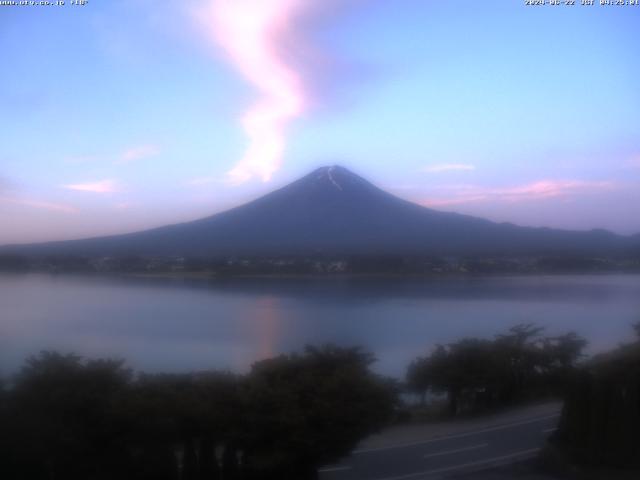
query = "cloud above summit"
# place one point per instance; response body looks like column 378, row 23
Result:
column 270, row 43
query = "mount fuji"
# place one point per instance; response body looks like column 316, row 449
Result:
column 332, row 210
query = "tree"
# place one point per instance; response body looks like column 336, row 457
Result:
column 311, row 409
column 520, row 352
column 64, row 417
column 478, row 373
column 601, row 416
column 69, row 418
column 417, row 378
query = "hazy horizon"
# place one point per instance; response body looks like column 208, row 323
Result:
column 234, row 206
column 133, row 114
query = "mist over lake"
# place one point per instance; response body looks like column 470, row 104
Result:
column 180, row 325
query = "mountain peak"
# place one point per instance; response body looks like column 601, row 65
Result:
column 333, row 210
column 335, row 178
column 333, row 174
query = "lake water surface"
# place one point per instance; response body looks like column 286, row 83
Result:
column 178, row 325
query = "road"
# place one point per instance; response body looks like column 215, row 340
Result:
column 494, row 443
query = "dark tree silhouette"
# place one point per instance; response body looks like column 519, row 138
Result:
column 312, row 408
column 68, row 418
column 418, row 378
column 63, row 418
column 477, row 374
column 601, row 417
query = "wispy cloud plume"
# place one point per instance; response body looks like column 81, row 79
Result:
column 455, row 200
column 250, row 32
column 8, row 194
column 532, row 191
column 33, row 203
column 102, row 186
column 199, row 181
column 449, row 167
column 138, row 153
column 5, row 185
column 56, row 207
column 634, row 162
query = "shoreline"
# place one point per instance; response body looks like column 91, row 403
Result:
column 213, row 276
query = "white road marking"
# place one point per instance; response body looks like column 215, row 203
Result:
column 333, row 469
column 457, row 450
column 524, row 454
column 549, row 430
column 458, row 435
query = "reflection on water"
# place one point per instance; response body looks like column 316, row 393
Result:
column 267, row 325
column 177, row 325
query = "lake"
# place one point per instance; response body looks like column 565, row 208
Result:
column 179, row 325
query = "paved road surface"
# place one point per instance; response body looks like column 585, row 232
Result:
column 449, row 454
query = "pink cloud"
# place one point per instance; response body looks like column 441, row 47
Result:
column 634, row 162
column 532, row 191
column 102, row 186
column 8, row 195
column 550, row 188
column 443, row 202
column 139, row 152
column 54, row 207
column 250, row 31
column 5, row 184
column 448, row 167
column 271, row 44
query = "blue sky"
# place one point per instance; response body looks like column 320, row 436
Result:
column 121, row 115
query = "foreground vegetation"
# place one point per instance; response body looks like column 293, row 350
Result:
column 597, row 436
column 601, row 418
column 64, row 418
column 477, row 374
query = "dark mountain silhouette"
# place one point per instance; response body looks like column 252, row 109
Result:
column 333, row 210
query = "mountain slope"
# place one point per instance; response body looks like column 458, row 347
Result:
column 333, row 210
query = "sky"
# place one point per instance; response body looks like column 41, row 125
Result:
column 121, row 115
